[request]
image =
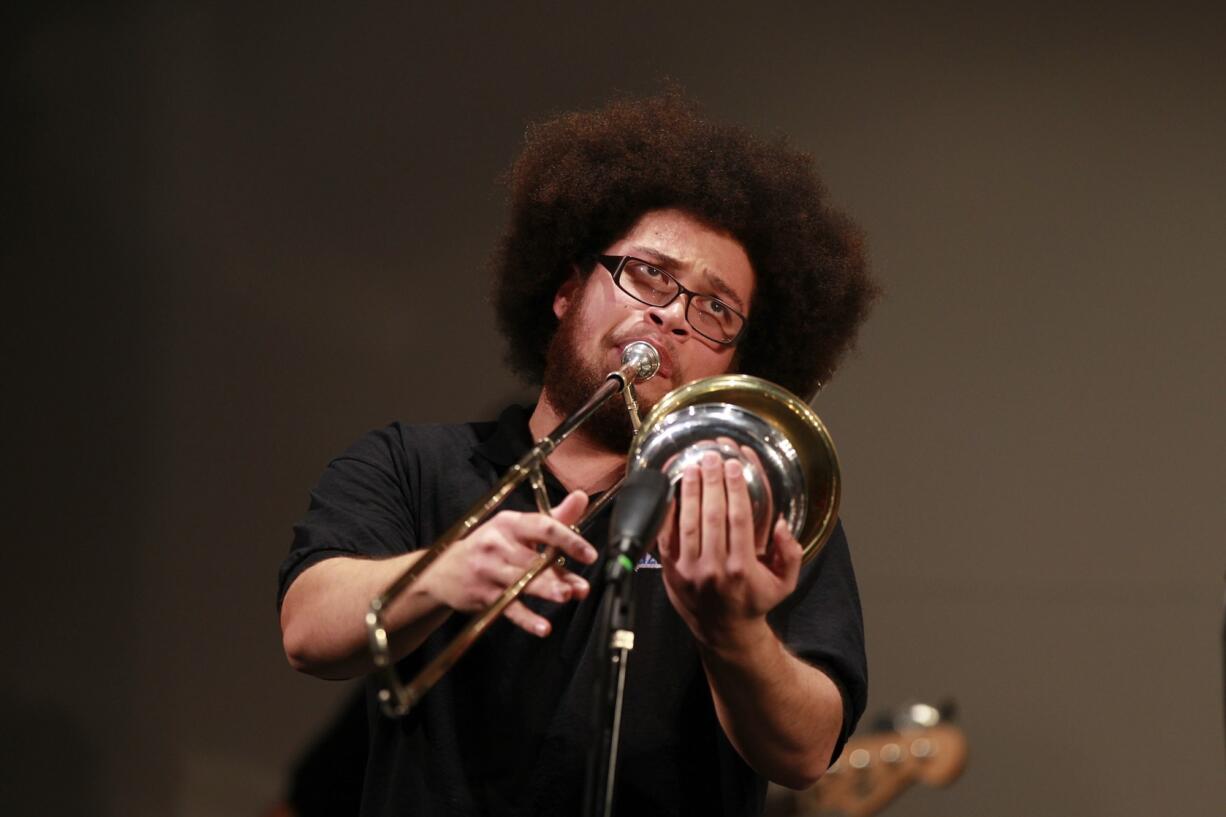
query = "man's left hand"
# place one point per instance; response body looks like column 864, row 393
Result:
column 715, row 579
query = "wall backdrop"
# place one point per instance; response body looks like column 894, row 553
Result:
column 219, row 221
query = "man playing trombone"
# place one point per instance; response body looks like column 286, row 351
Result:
column 640, row 221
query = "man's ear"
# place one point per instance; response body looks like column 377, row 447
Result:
column 567, row 293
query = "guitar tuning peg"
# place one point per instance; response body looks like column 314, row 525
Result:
column 891, row 754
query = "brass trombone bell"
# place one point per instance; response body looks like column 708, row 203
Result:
column 795, row 470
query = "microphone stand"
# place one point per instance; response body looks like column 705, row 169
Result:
column 636, row 519
column 616, row 635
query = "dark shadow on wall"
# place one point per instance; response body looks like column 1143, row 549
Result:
column 52, row 765
column 80, row 293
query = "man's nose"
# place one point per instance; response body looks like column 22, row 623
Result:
column 670, row 318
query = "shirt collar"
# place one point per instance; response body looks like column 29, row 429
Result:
column 510, row 439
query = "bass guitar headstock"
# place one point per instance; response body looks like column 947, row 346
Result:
column 875, row 769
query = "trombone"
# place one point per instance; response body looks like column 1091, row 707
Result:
column 793, row 472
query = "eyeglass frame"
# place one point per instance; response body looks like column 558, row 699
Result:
column 615, row 264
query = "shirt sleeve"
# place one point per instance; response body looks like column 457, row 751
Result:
column 359, row 508
column 821, row 622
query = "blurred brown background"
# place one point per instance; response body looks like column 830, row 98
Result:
column 218, row 219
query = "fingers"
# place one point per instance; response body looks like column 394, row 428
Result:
column 786, row 553
column 527, row 620
column 762, row 532
column 740, row 517
column 752, row 456
column 715, row 517
column 552, row 584
column 689, row 520
column 525, row 532
column 499, row 553
column 532, row 529
column 570, row 510
column 579, row 587
column 714, row 508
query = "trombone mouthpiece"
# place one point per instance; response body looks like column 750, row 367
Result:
column 644, row 357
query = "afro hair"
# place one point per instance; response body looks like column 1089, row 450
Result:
column 584, row 179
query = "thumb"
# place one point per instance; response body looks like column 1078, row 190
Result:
column 788, row 553
column 570, row 510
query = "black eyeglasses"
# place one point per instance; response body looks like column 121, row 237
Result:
column 709, row 316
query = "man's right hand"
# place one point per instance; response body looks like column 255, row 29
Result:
column 471, row 574
column 323, row 611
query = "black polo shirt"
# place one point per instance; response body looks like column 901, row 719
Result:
column 507, row 731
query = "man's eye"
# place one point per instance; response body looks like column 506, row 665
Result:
column 716, row 308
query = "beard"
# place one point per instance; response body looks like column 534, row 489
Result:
column 569, row 381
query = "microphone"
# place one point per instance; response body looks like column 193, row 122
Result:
column 637, row 516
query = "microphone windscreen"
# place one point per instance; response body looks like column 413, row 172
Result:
column 640, row 508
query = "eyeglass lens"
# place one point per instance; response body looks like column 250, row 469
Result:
column 706, row 314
